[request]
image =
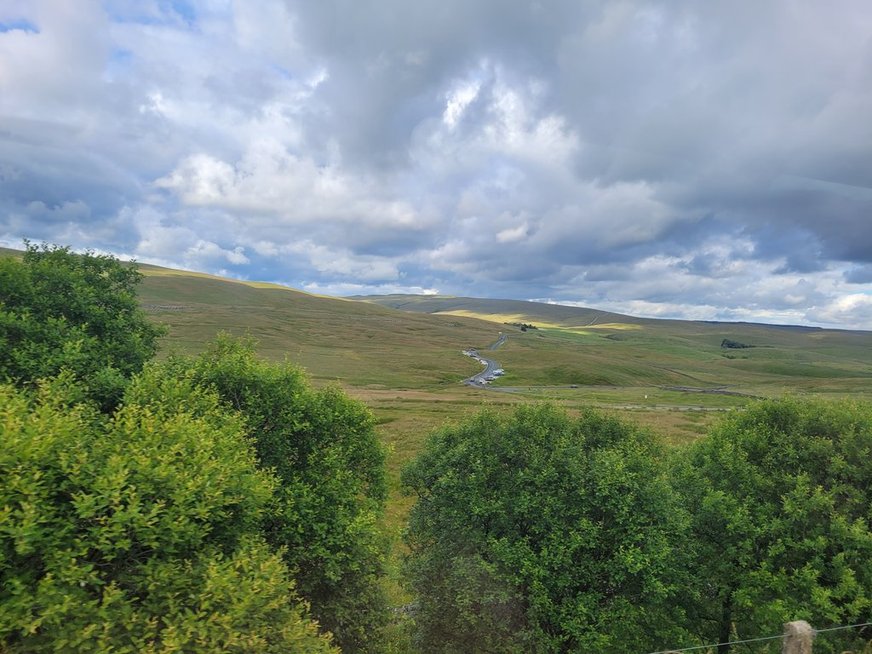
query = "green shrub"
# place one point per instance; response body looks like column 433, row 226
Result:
column 59, row 310
column 326, row 455
column 781, row 500
column 542, row 533
column 139, row 532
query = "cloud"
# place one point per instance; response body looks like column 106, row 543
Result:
column 859, row 275
column 674, row 159
column 847, row 311
column 270, row 180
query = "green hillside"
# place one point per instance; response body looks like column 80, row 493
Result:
column 414, row 343
column 503, row 310
column 359, row 344
column 586, row 347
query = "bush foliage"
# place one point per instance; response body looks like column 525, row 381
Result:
column 781, row 502
column 542, row 533
column 139, row 532
column 324, row 451
column 215, row 503
column 60, row 310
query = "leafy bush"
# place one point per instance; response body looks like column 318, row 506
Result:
column 59, row 310
column 138, row 533
column 781, row 499
column 542, row 533
column 324, row 451
column 735, row 345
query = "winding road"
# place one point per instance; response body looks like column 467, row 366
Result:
column 490, row 366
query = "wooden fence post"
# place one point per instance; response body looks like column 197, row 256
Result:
column 797, row 637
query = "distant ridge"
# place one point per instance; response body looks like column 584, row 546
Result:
column 522, row 310
column 416, row 341
column 552, row 314
column 806, row 328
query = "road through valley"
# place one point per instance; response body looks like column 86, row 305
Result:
column 491, row 367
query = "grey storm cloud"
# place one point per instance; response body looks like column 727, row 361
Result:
column 859, row 275
column 676, row 159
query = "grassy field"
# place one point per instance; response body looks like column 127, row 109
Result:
column 407, row 348
column 577, row 346
column 356, row 344
column 410, row 347
column 408, row 343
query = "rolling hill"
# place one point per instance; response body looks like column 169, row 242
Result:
column 582, row 346
column 407, row 342
column 359, row 344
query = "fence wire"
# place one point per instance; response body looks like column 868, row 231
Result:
column 758, row 640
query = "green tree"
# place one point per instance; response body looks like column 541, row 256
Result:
column 542, row 533
column 60, row 310
column 139, row 532
column 781, row 499
column 326, row 455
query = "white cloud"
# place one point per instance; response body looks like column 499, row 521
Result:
column 350, row 288
column 207, row 252
column 344, row 265
column 458, row 100
column 513, row 234
column 852, row 311
column 684, row 160
column 54, row 73
column 292, row 189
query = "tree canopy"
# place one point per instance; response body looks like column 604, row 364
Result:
column 60, row 310
column 324, row 451
column 219, row 479
column 139, row 532
column 781, row 502
column 539, row 532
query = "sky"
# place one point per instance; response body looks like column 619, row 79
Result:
column 683, row 159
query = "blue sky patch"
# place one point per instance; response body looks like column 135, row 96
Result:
column 168, row 12
column 20, row 25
